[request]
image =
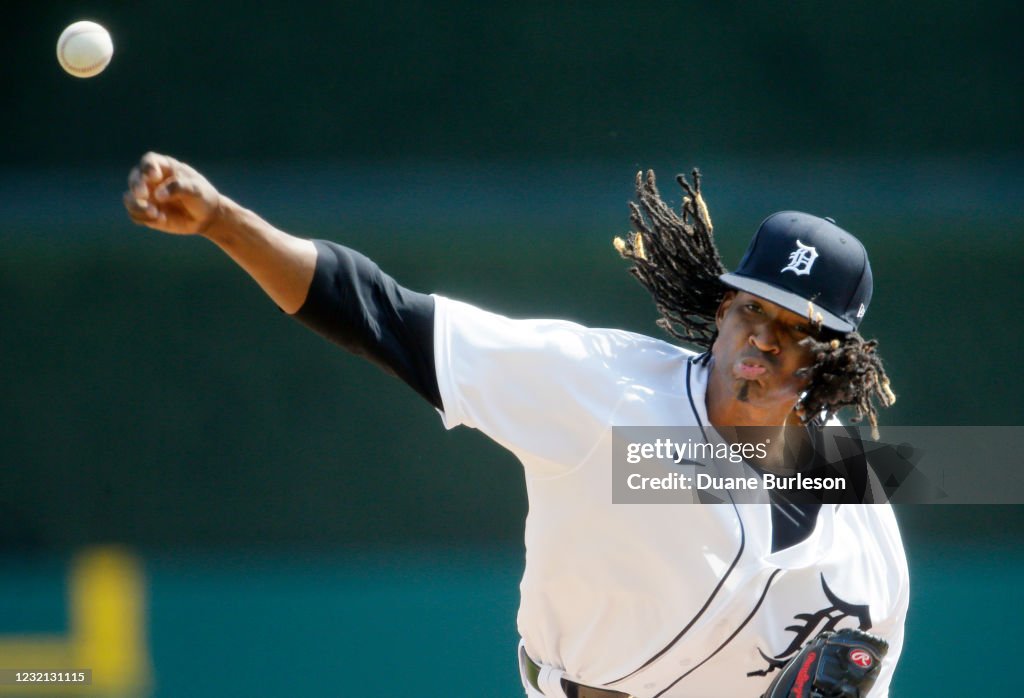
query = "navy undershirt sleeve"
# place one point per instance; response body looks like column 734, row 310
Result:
column 352, row 303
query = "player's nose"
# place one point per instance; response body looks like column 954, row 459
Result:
column 764, row 339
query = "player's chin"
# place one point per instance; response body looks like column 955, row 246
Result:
column 764, row 392
column 748, row 389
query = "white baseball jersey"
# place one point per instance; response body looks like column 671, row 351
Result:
column 651, row 599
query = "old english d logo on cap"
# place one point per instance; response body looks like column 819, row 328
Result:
column 802, row 259
column 796, row 258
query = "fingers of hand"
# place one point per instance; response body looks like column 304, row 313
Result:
column 165, row 194
column 152, row 181
column 136, row 184
column 154, row 167
column 141, row 210
column 173, row 188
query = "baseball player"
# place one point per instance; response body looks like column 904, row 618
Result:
column 774, row 598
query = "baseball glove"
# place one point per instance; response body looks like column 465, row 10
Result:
column 841, row 664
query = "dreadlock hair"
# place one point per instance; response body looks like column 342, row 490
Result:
column 675, row 258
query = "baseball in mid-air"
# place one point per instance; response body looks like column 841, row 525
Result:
column 84, row 49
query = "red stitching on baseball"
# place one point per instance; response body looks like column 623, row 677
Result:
column 64, row 59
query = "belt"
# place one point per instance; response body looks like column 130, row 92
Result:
column 571, row 688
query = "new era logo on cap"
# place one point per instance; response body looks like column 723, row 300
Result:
column 796, row 258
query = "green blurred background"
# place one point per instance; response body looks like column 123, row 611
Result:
column 304, row 523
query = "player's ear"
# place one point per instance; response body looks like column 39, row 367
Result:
column 727, row 300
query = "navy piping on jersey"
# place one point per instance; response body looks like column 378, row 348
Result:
column 707, row 603
column 736, row 632
column 788, row 527
column 721, row 582
column 689, row 394
column 352, row 303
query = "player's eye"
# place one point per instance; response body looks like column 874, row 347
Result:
column 753, row 307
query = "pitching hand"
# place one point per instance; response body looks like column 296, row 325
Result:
column 169, row 196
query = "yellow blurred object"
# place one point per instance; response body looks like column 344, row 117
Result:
column 107, row 632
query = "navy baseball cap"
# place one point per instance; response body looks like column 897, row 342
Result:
column 796, row 258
